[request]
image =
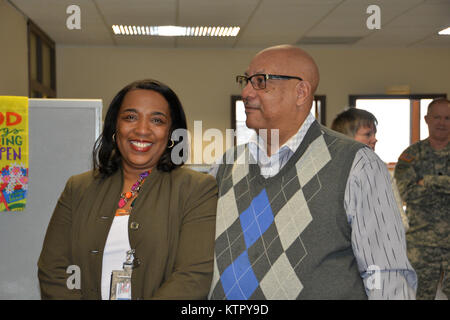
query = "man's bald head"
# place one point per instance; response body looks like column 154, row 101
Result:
column 285, row 102
column 293, row 61
column 435, row 102
column 438, row 121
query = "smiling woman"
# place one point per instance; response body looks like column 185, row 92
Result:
column 138, row 226
column 143, row 128
column 146, row 93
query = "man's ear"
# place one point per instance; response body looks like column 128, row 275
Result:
column 304, row 91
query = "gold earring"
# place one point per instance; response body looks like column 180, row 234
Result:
column 171, row 146
column 114, row 137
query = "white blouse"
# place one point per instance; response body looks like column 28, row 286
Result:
column 115, row 252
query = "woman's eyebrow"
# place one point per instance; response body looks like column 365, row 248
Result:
column 129, row 110
column 158, row 113
column 154, row 113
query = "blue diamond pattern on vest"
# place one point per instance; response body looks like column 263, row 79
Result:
column 238, row 280
column 256, row 219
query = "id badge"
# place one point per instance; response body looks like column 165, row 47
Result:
column 121, row 280
column 121, row 284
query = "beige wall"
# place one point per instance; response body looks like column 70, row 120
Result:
column 13, row 51
column 371, row 71
column 204, row 78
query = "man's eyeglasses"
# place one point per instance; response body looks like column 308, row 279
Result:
column 258, row 80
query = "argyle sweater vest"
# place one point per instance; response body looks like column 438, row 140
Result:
column 287, row 237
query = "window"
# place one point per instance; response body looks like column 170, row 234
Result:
column 423, row 111
column 41, row 63
column 400, row 120
column 238, row 116
column 238, row 121
column 318, row 109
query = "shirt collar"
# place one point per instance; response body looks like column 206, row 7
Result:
column 256, row 142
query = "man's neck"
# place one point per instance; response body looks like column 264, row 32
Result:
column 437, row 144
column 274, row 139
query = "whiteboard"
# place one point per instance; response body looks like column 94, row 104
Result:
column 62, row 134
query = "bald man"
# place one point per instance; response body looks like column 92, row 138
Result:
column 423, row 178
column 303, row 212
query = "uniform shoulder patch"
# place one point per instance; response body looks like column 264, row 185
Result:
column 406, row 157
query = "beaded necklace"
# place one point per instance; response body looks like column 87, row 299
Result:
column 126, row 196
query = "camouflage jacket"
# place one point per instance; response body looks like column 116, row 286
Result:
column 428, row 206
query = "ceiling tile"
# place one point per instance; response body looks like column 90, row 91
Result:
column 350, row 18
column 263, row 22
column 138, row 12
column 215, row 12
column 51, row 16
column 283, row 22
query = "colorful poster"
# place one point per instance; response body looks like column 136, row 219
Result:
column 13, row 153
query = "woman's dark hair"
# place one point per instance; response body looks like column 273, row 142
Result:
column 106, row 155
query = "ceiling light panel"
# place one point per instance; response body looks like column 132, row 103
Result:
column 176, row 31
column 445, row 31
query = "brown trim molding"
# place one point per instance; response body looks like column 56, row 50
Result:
column 36, row 87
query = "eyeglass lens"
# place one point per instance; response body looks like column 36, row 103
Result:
column 257, row 81
column 242, row 81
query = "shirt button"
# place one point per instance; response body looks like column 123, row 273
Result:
column 134, row 225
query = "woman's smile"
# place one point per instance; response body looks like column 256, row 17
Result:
column 140, row 146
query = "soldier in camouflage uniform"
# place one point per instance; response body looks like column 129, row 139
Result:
column 423, row 178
